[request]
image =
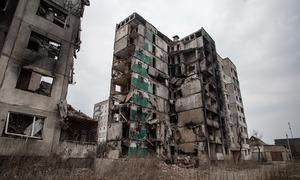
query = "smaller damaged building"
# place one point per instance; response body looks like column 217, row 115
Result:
column 101, row 115
column 38, row 44
column 78, row 136
column 235, row 131
column 267, row 153
column 293, row 144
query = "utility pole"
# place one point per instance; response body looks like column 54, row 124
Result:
column 290, row 129
column 288, row 143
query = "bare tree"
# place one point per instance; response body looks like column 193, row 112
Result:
column 257, row 144
column 240, row 141
column 257, row 134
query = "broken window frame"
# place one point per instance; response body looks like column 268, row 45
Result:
column 33, row 126
column 59, row 17
column 53, row 48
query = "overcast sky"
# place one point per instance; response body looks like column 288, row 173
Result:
column 262, row 38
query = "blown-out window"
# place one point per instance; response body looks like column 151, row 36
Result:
column 51, row 13
column 34, row 82
column 44, row 45
column 23, row 125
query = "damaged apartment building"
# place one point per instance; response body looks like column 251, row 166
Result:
column 236, row 126
column 166, row 97
column 38, row 43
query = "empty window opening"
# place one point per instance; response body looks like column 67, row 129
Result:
column 125, row 130
column 153, row 39
column 3, row 5
column 172, row 60
column 178, row 58
column 34, row 82
column 173, row 119
column 161, row 79
column 198, row 34
column 152, row 132
column 154, row 62
column 179, row 93
column 118, row 88
column 134, row 29
column 179, row 70
column 44, row 45
column 154, row 116
column 52, row 14
column 153, row 49
column 235, row 73
column 141, row 79
column 154, row 89
column 24, row 125
column 178, row 47
column 131, row 40
column 191, row 68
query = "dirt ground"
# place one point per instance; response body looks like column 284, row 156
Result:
column 56, row 168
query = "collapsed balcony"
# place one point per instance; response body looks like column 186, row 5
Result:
column 121, row 65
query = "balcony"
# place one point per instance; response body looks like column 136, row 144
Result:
column 124, row 47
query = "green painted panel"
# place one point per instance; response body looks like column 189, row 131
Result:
column 139, row 83
column 149, row 35
column 146, row 46
column 141, row 56
column 138, row 151
column 139, row 69
column 134, row 115
column 141, row 134
column 140, row 100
